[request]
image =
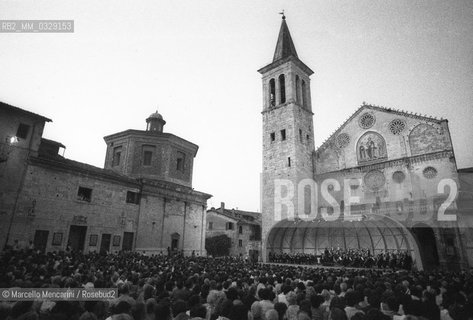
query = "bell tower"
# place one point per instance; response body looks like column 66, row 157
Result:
column 288, row 134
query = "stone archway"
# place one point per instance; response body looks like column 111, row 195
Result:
column 427, row 244
column 374, row 232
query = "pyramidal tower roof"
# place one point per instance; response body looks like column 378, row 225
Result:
column 285, row 46
column 285, row 51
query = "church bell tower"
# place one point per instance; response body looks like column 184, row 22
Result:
column 288, row 134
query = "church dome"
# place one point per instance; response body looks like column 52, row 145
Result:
column 155, row 122
column 155, row 115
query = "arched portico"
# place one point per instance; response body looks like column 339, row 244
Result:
column 374, row 232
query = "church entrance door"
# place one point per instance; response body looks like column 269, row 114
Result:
column 127, row 241
column 105, row 243
column 77, row 237
column 40, row 240
column 427, row 245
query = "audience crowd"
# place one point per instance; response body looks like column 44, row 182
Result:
column 165, row 287
column 358, row 258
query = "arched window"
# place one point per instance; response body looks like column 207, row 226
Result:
column 303, row 95
column 272, row 92
column 425, row 138
column 282, row 88
column 298, row 89
column 175, row 241
column 371, row 147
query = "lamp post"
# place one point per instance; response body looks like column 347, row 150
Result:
column 6, row 147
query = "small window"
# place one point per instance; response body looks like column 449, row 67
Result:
column 132, row 197
column 283, row 134
column 273, row 136
column 147, row 157
column 300, row 135
column 117, row 152
column 84, row 194
column 57, row 238
column 303, row 94
column 282, row 88
column 180, row 161
column 288, row 161
column 272, row 92
column 240, row 243
column 22, row 131
column 307, row 137
column 93, row 240
column 240, row 229
column 116, row 241
column 255, row 233
column 211, row 225
column 229, row 226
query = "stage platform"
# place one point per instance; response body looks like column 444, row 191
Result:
column 318, row 266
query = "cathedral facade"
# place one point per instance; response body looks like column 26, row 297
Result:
column 385, row 180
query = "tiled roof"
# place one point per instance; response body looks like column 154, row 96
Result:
column 80, row 167
column 239, row 215
column 29, row 113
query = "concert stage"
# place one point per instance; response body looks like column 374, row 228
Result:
column 318, row 266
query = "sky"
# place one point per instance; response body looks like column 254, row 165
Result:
column 195, row 62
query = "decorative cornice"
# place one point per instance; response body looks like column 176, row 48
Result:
column 406, row 161
column 280, row 62
column 173, row 191
column 78, row 168
column 291, row 101
column 162, row 137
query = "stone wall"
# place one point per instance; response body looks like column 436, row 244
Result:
column 49, row 201
column 219, row 223
column 13, row 164
column 162, row 218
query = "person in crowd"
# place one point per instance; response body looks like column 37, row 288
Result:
column 179, row 310
column 293, row 307
column 266, row 303
column 352, row 300
column 281, row 309
column 198, row 312
column 162, row 311
column 149, row 287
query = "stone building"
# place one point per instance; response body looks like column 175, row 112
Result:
column 242, row 227
column 465, row 210
column 141, row 200
column 385, row 180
